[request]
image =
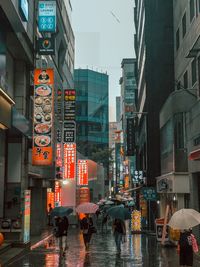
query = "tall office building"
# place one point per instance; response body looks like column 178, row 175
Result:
column 91, row 111
column 18, row 34
column 154, row 51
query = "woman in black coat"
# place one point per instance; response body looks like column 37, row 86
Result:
column 86, row 224
column 61, row 233
column 186, row 251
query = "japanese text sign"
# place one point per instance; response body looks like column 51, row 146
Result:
column 82, row 172
column 69, row 161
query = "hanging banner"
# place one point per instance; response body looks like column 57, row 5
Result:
column 57, row 194
column 69, row 161
column 42, row 152
column 82, row 172
column 47, row 16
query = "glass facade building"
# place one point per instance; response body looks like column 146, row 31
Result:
column 91, row 111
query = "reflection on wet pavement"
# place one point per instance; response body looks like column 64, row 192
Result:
column 138, row 250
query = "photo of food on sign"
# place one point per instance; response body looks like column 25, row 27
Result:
column 43, row 77
column 42, row 128
column 42, row 140
column 42, row 90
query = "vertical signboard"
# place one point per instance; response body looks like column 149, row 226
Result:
column 50, row 198
column 130, row 137
column 47, row 16
column 69, row 161
column 82, row 172
column 83, row 195
column 42, row 152
column 69, row 104
column 59, row 104
column 57, row 194
column 26, row 225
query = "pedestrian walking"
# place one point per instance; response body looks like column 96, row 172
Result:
column 86, row 227
column 104, row 222
column 62, row 225
column 185, row 249
column 119, row 230
column 49, row 214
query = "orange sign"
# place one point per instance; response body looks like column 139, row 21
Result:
column 42, row 152
column 57, row 194
column 69, row 161
column 126, row 182
column 50, row 199
column 82, row 172
column 84, row 195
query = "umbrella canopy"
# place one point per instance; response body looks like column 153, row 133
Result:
column 184, row 219
column 119, row 212
column 61, row 211
column 87, row 207
column 109, row 202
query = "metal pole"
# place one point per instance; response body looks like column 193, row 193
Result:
column 149, row 217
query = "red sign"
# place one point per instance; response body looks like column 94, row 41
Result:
column 42, row 152
column 58, row 155
column 57, row 194
column 50, row 199
column 84, row 195
column 82, row 172
column 69, row 161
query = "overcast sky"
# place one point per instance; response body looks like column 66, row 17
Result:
column 104, row 35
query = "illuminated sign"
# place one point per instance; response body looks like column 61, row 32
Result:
column 47, row 16
column 42, row 152
column 57, row 194
column 46, row 46
column 50, row 199
column 27, row 204
column 23, row 7
column 83, row 195
column 69, row 104
column 82, row 172
column 69, row 161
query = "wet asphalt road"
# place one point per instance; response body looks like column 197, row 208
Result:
column 138, row 250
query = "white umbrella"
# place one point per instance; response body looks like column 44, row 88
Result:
column 184, row 219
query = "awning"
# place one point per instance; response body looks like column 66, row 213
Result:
column 194, row 155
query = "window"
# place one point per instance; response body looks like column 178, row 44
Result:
column 185, row 80
column 191, row 10
column 199, row 5
column 179, row 130
column 177, row 40
column 184, row 25
column 194, row 72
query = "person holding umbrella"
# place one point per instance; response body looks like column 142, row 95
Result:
column 119, row 230
column 86, row 226
column 62, row 225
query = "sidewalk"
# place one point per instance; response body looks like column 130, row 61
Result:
column 9, row 251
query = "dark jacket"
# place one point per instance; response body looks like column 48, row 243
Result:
column 62, row 227
column 119, row 226
column 86, row 223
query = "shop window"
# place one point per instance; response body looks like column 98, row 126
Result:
column 194, row 72
column 185, row 80
column 191, row 10
column 184, row 25
column 177, row 40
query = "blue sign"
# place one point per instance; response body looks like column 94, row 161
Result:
column 23, row 7
column 47, row 16
column 149, row 193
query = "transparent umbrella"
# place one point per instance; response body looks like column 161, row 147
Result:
column 184, row 219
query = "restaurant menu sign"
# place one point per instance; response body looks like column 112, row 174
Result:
column 82, row 172
column 57, row 194
column 69, row 161
column 69, row 104
column 42, row 152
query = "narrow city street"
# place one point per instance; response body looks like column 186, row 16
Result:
column 139, row 250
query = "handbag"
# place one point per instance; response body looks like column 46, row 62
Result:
column 194, row 244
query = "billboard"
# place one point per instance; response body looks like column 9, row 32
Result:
column 82, row 172
column 47, row 16
column 69, row 161
column 42, row 150
column 130, row 137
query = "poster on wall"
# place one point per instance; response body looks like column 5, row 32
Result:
column 42, row 152
column 82, row 172
column 69, row 161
